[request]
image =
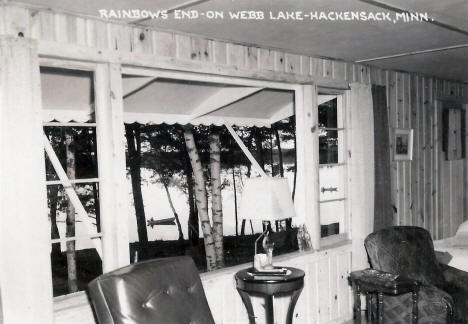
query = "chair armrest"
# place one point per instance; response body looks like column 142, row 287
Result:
column 373, row 280
column 455, row 277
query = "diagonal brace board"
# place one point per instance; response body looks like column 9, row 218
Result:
column 246, row 151
column 71, row 193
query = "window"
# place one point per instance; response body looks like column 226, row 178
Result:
column 332, row 164
column 71, row 169
column 165, row 219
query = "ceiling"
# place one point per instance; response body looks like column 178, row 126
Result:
column 348, row 40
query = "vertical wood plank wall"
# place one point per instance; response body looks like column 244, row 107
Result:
column 326, row 297
column 427, row 191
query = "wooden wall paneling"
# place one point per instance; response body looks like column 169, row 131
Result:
column 344, row 291
column 142, row 41
column 3, row 10
column 235, row 55
column 465, row 165
column 266, row 59
column 102, row 34
column 17, row 21
column 251, row 60
column 71, row 28
column 47, row 27
column 428, row 154
column 365, row 74
column 415, row 184
column 280, row 64
column 327, row 68
column 323, row 284
column 293, row 63
column 301, row 312
column 401, row 165
column 358, row 73
column 339, row 70
column 305, row 65
column 164, row 44
column 80, row 24
column 458, row 195
column 201, row 49
column 440, row 161
column 407, row 167
column 61, row 28
column 121, row 38
column 183, row 47
column 374, row 75
column 316, row 66
column 90, row 33
column 350, row 72
column 392, row 121
column 435, row 158
column 420, row 148
column 333, row 288
column 34, row 23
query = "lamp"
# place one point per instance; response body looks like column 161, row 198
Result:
column 266, row 199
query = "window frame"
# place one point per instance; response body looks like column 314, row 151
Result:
column 343, row 139
column 109, row 130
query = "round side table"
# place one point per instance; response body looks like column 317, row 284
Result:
column 267, row 286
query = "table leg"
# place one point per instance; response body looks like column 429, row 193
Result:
column 270, row 317
column 380, row 307
column 292, row 304
column 248, row 305
column 415, row 307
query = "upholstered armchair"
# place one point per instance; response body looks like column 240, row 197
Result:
column 160, row 291
column 408, row 251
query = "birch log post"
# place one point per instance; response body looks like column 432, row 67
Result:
column 200, row 197
column 216, row 198
column 71, row 253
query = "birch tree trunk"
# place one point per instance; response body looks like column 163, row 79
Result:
column 216, row 198
column 200, row 196
column 280, row 151
column 70, row 221
column 176, row 216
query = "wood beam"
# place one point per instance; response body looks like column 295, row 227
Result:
column 110, row 137
column 246, row 151
column 222, row 98
column 25, row 273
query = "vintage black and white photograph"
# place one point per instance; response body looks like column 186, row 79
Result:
column 233, row 161
column 403, row 144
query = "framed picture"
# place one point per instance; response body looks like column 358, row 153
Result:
column 403, row 144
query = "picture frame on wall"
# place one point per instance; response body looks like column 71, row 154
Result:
column 402, row 144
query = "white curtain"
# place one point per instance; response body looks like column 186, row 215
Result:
column 361, row 169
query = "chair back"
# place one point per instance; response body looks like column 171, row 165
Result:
column 407, row 251
column 160, row 291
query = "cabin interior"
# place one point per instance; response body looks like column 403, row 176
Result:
column 373, row 94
